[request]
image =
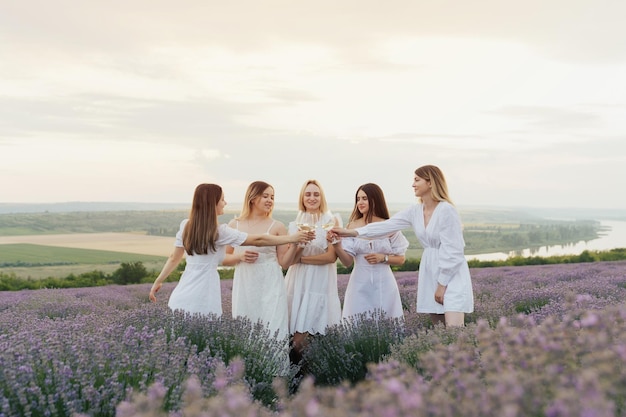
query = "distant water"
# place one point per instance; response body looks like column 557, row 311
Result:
column 614, row 237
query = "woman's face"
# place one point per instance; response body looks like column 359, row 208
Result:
column 264, row 202
column 311, row 198
column 421, row 186
column 220, row 206
column 362, row 203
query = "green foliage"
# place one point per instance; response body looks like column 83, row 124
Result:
column 129, row 273
column 530, row 305
column 24, row 254
column 489, row 237
column 412, row 349
column 159, row 223
column 342, row 354
column 618, row 254
column 264, row 355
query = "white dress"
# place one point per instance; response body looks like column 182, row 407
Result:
column 312, row 295
column 199, row 289
column 443, row 259
column 259, row 291
column 373, row 286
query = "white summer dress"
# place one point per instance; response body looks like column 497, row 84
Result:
column 259, row 291
column 373, row 286
column 443, row 259
column 312, row 295
column 199, row 289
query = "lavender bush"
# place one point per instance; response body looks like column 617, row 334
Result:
column 544, row 340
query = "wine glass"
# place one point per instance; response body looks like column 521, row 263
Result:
column 306, row 221
column 332, row 220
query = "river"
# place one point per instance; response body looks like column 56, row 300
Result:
column 613, row 237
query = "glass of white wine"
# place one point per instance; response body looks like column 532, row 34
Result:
column 306, row 221
column 332, row 220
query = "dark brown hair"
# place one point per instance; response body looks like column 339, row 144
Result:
column 200, row 233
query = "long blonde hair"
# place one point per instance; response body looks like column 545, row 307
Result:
column 254, row 190
column 439, row 187
column 201, row 232
column 323, row 203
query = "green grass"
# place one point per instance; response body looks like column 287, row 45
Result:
column 24, row 254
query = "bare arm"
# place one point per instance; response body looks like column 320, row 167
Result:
column 327, row 257
column 286, row 254
column 344, row 257
column 172, row 262
column 340, row 231
column 291, row 256
column 273, row 240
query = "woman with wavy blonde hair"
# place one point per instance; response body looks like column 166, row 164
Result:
column 259, row 291
column 311, row 280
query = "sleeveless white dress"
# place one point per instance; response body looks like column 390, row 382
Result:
column 312, row 295
column 199, row 289
column 373, row 286
column 259, row 291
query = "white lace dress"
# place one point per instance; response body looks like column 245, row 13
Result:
column 373, row 286
column 199, row 289
column 259, row 291
column 312, row 294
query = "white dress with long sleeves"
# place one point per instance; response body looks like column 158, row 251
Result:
column 259, row 291
column 443, row 259
column 373, row 286
column 199, row 289
column 312, row 295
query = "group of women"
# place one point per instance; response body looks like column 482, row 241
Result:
column 305, row 300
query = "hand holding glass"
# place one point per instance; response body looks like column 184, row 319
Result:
column 332, row 220
column 306, row 221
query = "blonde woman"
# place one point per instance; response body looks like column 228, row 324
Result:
column 259, row 291
column 312, row 294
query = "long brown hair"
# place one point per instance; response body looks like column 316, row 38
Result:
column 439, row 187
column 200, row 233
column 377, row 204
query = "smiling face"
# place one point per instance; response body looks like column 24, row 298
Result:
column 311, row 198
column 264, row 203
column 362, row 203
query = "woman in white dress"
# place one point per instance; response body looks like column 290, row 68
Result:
column 312, row 295
column 204, row 242
column 259, row 291
column 444, row 286
column 372, row 285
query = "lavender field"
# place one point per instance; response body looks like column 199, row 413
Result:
column 544, row 341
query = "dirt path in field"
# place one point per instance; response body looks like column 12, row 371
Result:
column 118, row 242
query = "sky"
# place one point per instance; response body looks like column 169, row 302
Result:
column 520, row 103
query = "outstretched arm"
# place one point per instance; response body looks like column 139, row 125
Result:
column 301, row 236
column 172, row 262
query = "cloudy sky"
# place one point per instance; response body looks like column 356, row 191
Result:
column 521, row 103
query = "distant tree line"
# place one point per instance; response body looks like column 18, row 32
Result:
column 136, row 273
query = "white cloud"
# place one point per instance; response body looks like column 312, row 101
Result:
column 520, row 103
